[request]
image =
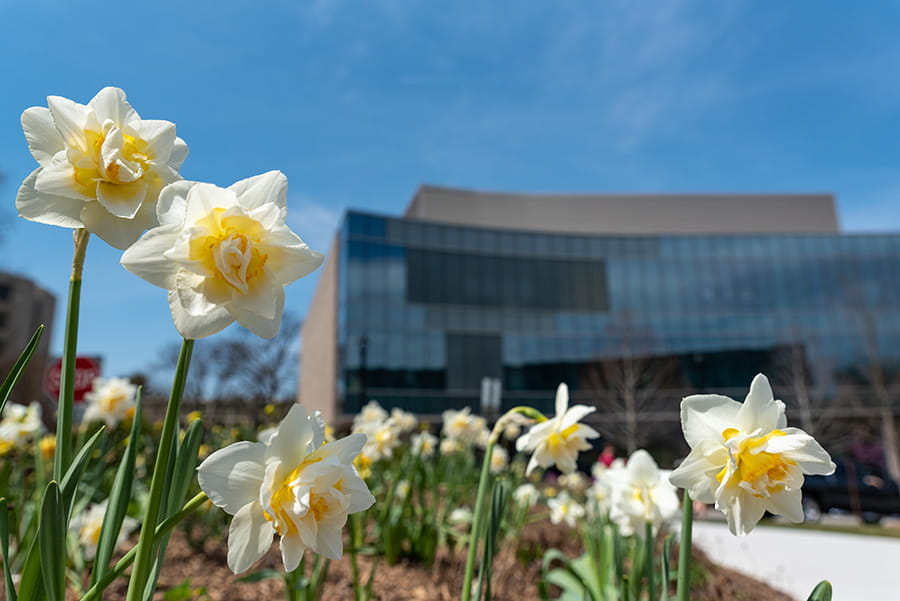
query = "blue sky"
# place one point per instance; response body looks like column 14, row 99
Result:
column 360, row 102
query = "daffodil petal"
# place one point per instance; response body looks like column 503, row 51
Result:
column 44, row 140
column 269, row 187
column 117, row 232
column 292, row 549
column 788, row 504
column 195, row 323
column 574, row 415
column 47, row 208
column 57, row 178
column 706, row 416
column 329, row 540
column 232, row 476
column 71, row 120
column 160, row 138
column 260, row 325
column 562, row 399
column 249, row 537
column 122, row 200
column 171, row 206
column 804, row 450
column 292, row 440
column 111, row 104
column 178, row 154
column 760, row 410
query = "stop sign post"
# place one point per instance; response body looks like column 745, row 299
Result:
column 86, row 369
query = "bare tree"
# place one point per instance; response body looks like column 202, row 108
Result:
column 628, row 389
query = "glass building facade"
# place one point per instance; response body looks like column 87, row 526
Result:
column 426, row 310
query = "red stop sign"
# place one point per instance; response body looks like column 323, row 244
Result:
column 86, row 369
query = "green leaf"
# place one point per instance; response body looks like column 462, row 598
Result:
column 52, row 535
column 18, row 367
column 185, row 466
column 119, row 498
column 665, row 571
column 822, row 592
column 4, row 547
column 31, row 587
column 70, row 481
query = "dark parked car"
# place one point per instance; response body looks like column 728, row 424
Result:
column 860, row 488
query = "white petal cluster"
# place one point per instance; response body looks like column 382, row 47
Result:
column 88, row 524
column 101, row 166
column 599, row 498
column 464, row 427
column 423, row 444
column 20, row 425
column 743, row 457
column 526, row 495
column 558, row 440
column 110, row 400
column 499, row 460
column 296, row 485
column 224, row 254
column 381, row 430
column 565, row 509
column 641, row 494
column 404, row 420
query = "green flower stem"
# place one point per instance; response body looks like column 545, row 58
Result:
column 144, row 561
column 684, row 549
column 95, row 591
column 649, row 547
column 477, row 519
column 63, row 456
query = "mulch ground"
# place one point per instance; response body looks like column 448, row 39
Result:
column 515, row 578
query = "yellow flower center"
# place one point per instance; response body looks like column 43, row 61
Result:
column 752, row 465
column 230, row 249
column 279, row 510
column 563, row 439
column 110, row 156
column 108, row 403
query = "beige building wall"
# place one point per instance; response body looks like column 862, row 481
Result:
column 23, row 307
column 628, row 213
column 318, row 350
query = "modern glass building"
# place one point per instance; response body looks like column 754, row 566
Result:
column 414, row 311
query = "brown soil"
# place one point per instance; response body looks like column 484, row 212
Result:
column 514, row 578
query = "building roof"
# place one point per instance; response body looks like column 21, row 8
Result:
column 628, row 213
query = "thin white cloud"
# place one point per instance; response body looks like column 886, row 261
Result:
column 315, row 222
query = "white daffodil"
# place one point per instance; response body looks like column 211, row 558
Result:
column 599, row 498
column 20, row 424
column 564, row 509
column 110, row 400
column 403, row 420
column 102, row 166
column 423, row 444
column 575, row 481
column 526, row 495
column 224, row 254
column 461, row 516
column 296, row 485
column 499, row 460
column 558, row 440
column 371, row 413
column 641, row 494
column 743, row 457
column 87, row 525
column 464, row 427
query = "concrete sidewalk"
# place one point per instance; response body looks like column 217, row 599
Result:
column 859, row 567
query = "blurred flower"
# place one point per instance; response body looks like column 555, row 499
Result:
column 564, row 508
column 450, row 445
column 402, row 489
column 224, row 255
column 598, row 498
column 403, row 420
column 20, row 425
column 294, row 485
column 372, row 412
column 574, row 481
column 641, row 494
column 102, row 166
column 193, row 416
column 269, row 409
column 110, row 400
column 87, row 525
column 423, row 444
column 461, row 516
column 499, row 460
column 463, row 426
column 47, row 446
column 557, row 441
column 526, row 495
column 744, row 458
